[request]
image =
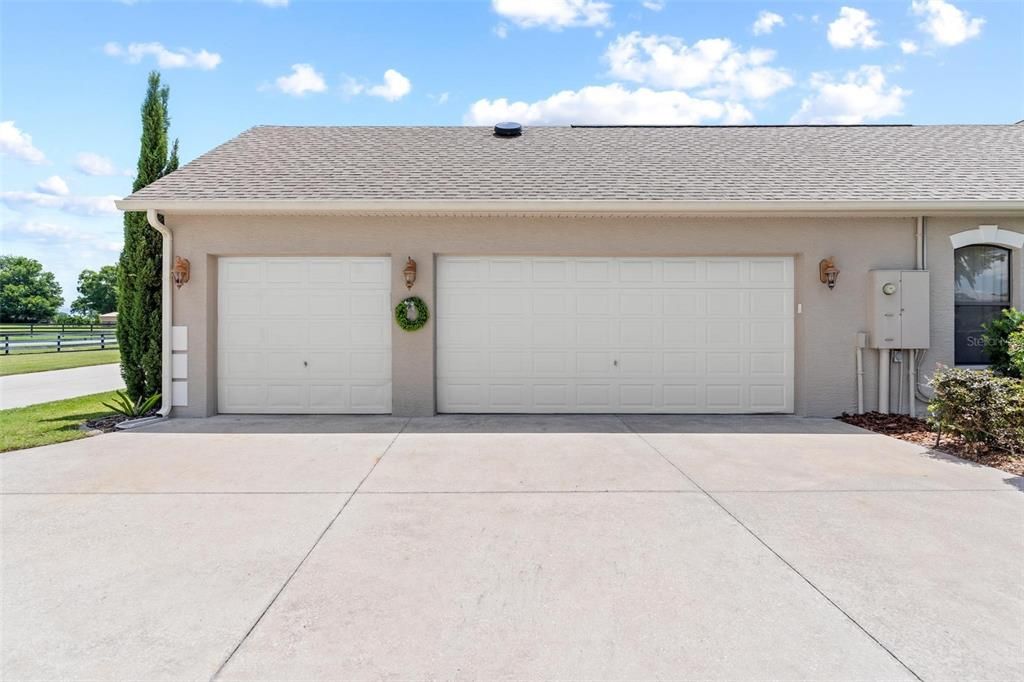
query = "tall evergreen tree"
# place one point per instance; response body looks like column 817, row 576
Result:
column 139, row 270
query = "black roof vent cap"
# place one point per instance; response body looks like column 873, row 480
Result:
column 508, row 129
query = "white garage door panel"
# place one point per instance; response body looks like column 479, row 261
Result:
column 304, row 335
column 615, row 334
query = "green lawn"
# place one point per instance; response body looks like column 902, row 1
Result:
column 46, row 423
column 43, row 362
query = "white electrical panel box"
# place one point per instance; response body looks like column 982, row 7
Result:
column 898, row 312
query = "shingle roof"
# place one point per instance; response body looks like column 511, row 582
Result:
column 755, row 163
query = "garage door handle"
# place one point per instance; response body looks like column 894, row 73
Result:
column 305, row 364
column 615, row 363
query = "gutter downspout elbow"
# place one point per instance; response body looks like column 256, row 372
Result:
column 165, row 310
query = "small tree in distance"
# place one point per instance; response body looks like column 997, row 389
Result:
column 97, row 292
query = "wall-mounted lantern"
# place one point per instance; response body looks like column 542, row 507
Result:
column 409, row 271
column 180, row 271
column 828, row 272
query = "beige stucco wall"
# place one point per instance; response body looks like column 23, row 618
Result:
column 825, row 330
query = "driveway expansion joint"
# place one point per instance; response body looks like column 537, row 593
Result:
column 772, row 550
column 306, row 556
column 182, row 492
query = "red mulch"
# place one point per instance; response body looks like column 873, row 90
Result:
column 917, row 431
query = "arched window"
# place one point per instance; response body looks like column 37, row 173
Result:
column 981, row 293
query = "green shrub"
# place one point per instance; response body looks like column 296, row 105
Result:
column 1015, row 345
column 997, row 337
column 124, row 405
column 979, row 406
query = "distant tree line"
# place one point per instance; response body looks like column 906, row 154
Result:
column 29, row 294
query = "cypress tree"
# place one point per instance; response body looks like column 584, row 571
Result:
column 139, row 273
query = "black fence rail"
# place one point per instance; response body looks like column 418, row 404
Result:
column 15, row 330
column 61, row 342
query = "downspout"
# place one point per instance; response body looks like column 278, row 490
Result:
column 165, row 313
column 918, row 356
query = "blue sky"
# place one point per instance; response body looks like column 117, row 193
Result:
column 72, row 76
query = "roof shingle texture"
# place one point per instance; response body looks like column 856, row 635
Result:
column 842, row 163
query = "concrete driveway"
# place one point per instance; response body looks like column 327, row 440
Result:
column 19, row 390
column 508, row 547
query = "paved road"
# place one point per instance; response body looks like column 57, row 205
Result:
column 20, row 390
column 508, row 547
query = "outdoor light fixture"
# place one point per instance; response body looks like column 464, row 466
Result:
column 410, row 273
column 180, row 271
column 828, row 272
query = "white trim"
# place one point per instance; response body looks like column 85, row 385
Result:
column 988, row 234
column 756, row 207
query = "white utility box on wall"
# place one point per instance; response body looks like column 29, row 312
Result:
column 898, row 303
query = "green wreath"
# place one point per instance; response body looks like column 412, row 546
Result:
column 402, row 313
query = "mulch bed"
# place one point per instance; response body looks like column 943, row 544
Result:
column 917, row 431
column 105, row 424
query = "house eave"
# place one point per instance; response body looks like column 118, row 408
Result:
column 611, row 207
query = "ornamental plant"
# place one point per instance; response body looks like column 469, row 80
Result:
column 1015, row 346
column 979, row 406
column 139, row 270
column 996, row 337
column 124, row 405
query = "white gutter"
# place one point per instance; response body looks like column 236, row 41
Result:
column 755, row 207
column 165, row 313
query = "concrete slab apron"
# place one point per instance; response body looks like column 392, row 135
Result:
column 934, row 575
column 42, row 387
column 805, row 454
column 143, row 586
column 156, row 462
column 584, row 585
column 495, row 462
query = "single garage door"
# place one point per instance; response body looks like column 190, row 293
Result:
column 699, row 335
column 304, row 335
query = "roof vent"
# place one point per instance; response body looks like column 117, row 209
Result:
column 508, row 129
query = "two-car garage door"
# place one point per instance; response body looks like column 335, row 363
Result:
column 615, row 334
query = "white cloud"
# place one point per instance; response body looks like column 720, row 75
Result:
column 501, row 30
column 54, row 185
column 304, row 78
column 76, row 205
column 653, row 5
column 853, row 28
column 714, row 64
column 14, row 142
column 273, row 3
column 53, row 234
column 611, row 104
column 766, row 22
column 184, row 58
column 89, row 163
column 395, row 87
column 861, row 95
column 946, row 23
column 908, row 47
column 554, row 14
